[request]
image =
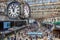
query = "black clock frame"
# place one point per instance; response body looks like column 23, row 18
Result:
column 22, row 11
column 29, row 9
column 11, row 4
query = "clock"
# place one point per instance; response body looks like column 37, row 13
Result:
column 13, row 9
column 26, row 10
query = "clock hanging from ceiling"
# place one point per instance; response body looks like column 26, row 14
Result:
column 13, row 9
column 18, row 10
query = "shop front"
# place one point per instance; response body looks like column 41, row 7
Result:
column 56, row 30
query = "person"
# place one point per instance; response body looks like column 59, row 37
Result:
column 26, row 39
column 12, row 38
column 20, row 39
column 15, row 38
column 45, row 38
column 50, row 36
column 8, row 38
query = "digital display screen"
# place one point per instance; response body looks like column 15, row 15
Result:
column 6, row 25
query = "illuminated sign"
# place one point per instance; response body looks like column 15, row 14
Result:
column 34, row 33
column 6, row 24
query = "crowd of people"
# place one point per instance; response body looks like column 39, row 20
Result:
column 22, row 34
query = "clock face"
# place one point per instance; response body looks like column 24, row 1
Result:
column 13, row 10
column 26, row 11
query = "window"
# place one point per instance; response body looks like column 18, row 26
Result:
column 54, row 0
